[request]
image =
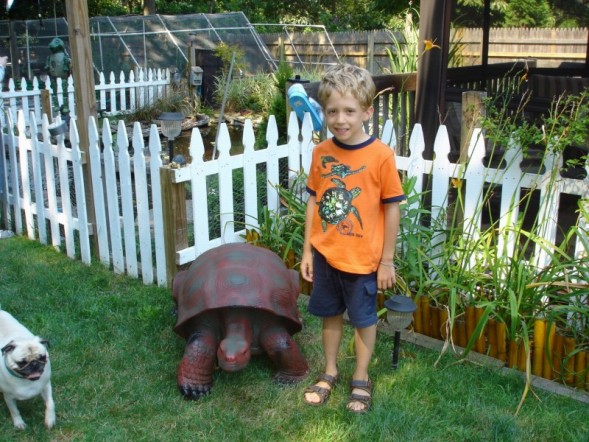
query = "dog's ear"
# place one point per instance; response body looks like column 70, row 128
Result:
column 45, row 342
column 8, row 347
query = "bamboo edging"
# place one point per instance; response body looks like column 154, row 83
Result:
column 553, row 356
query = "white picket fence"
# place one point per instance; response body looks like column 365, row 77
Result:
column 38, row 179
column 132, row 91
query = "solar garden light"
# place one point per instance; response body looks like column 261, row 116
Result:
column 58, row 127
column 399, row 315
column 171, row 124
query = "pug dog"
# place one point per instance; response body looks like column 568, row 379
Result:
column 25, row 370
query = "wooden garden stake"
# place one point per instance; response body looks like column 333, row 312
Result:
column 470, row 318
column 444, row 324
column 557, row 355
column 492, row 337
column 501, row 329
column 425, row 321
column 480, row 344
column 569, row 368
column 417, row 321
column 460, row 327
column 435, row 321
column 512, row 357
column 522, row 355
column 546, row 366
column 587, row 372
column 539, row 341
column 580, row 367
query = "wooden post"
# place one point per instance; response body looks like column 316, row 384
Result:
column 175, row 219
column 472, row 113
column 46, row 105
column 84, row 89
column 14, row 52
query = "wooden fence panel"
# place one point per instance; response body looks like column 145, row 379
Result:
column 550, row 47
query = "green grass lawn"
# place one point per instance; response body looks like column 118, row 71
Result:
column 114, row 356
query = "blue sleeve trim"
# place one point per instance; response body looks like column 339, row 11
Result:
column 394, row 199
column 311, row 191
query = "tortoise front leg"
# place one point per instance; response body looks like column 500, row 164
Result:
column 291, row 365
column 195, row 372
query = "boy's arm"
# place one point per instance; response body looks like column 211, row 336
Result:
column 307, row 258
column 386, row 277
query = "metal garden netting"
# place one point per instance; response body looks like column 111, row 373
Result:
column 125, row 43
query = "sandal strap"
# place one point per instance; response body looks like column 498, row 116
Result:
column 365, row 400
column 317, row 389
column 328, row 379
column 362, row 385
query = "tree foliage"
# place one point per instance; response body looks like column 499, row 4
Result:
column 335, row 15
column 529, row 13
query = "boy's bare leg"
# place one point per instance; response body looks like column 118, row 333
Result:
column 332, row 336
column 364, row 339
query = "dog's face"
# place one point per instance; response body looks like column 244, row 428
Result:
column 26, row 358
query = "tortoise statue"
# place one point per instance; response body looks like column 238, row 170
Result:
column 234, row 301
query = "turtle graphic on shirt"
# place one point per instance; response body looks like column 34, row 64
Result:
column 336, row 204
column 342, row 171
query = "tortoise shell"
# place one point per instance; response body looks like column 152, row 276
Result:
column 237, row 275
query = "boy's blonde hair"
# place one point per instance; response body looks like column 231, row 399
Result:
column 346, row 78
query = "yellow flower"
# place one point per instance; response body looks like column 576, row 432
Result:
column 429, row 45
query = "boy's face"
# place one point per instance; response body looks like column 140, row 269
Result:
column 345, row 117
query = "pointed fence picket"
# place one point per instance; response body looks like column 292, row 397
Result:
column 42, row 191
column 132, row 91
column 43, row 177
column 196, row 174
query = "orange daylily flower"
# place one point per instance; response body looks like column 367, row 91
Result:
column 429, row 45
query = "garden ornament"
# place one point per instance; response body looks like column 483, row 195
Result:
column 59, row 63
column 234, row 301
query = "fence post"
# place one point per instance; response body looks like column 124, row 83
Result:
column 175, row 219
column 473, row 112
column 46, row 104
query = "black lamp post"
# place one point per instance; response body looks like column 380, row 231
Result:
column 399, row 315
column 171, row 124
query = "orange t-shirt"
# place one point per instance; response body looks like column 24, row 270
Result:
column 351, row 184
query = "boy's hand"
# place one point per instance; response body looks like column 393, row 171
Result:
column 307, row 266
column 386, row 276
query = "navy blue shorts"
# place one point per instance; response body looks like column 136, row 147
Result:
column 335, row 291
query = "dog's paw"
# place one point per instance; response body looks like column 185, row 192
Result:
column 19, row 423
column 50, row 421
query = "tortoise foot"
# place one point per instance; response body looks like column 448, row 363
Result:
column 194, row 392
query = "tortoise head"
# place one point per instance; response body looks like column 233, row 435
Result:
column 234, row 351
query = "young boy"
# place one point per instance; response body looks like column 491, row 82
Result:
column 352, row 220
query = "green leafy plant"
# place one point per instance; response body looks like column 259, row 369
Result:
column 176, row 101
column 284, row 231
column 414, row 240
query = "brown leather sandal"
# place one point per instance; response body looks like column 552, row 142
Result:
column 323, row 393
column 364, row 399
